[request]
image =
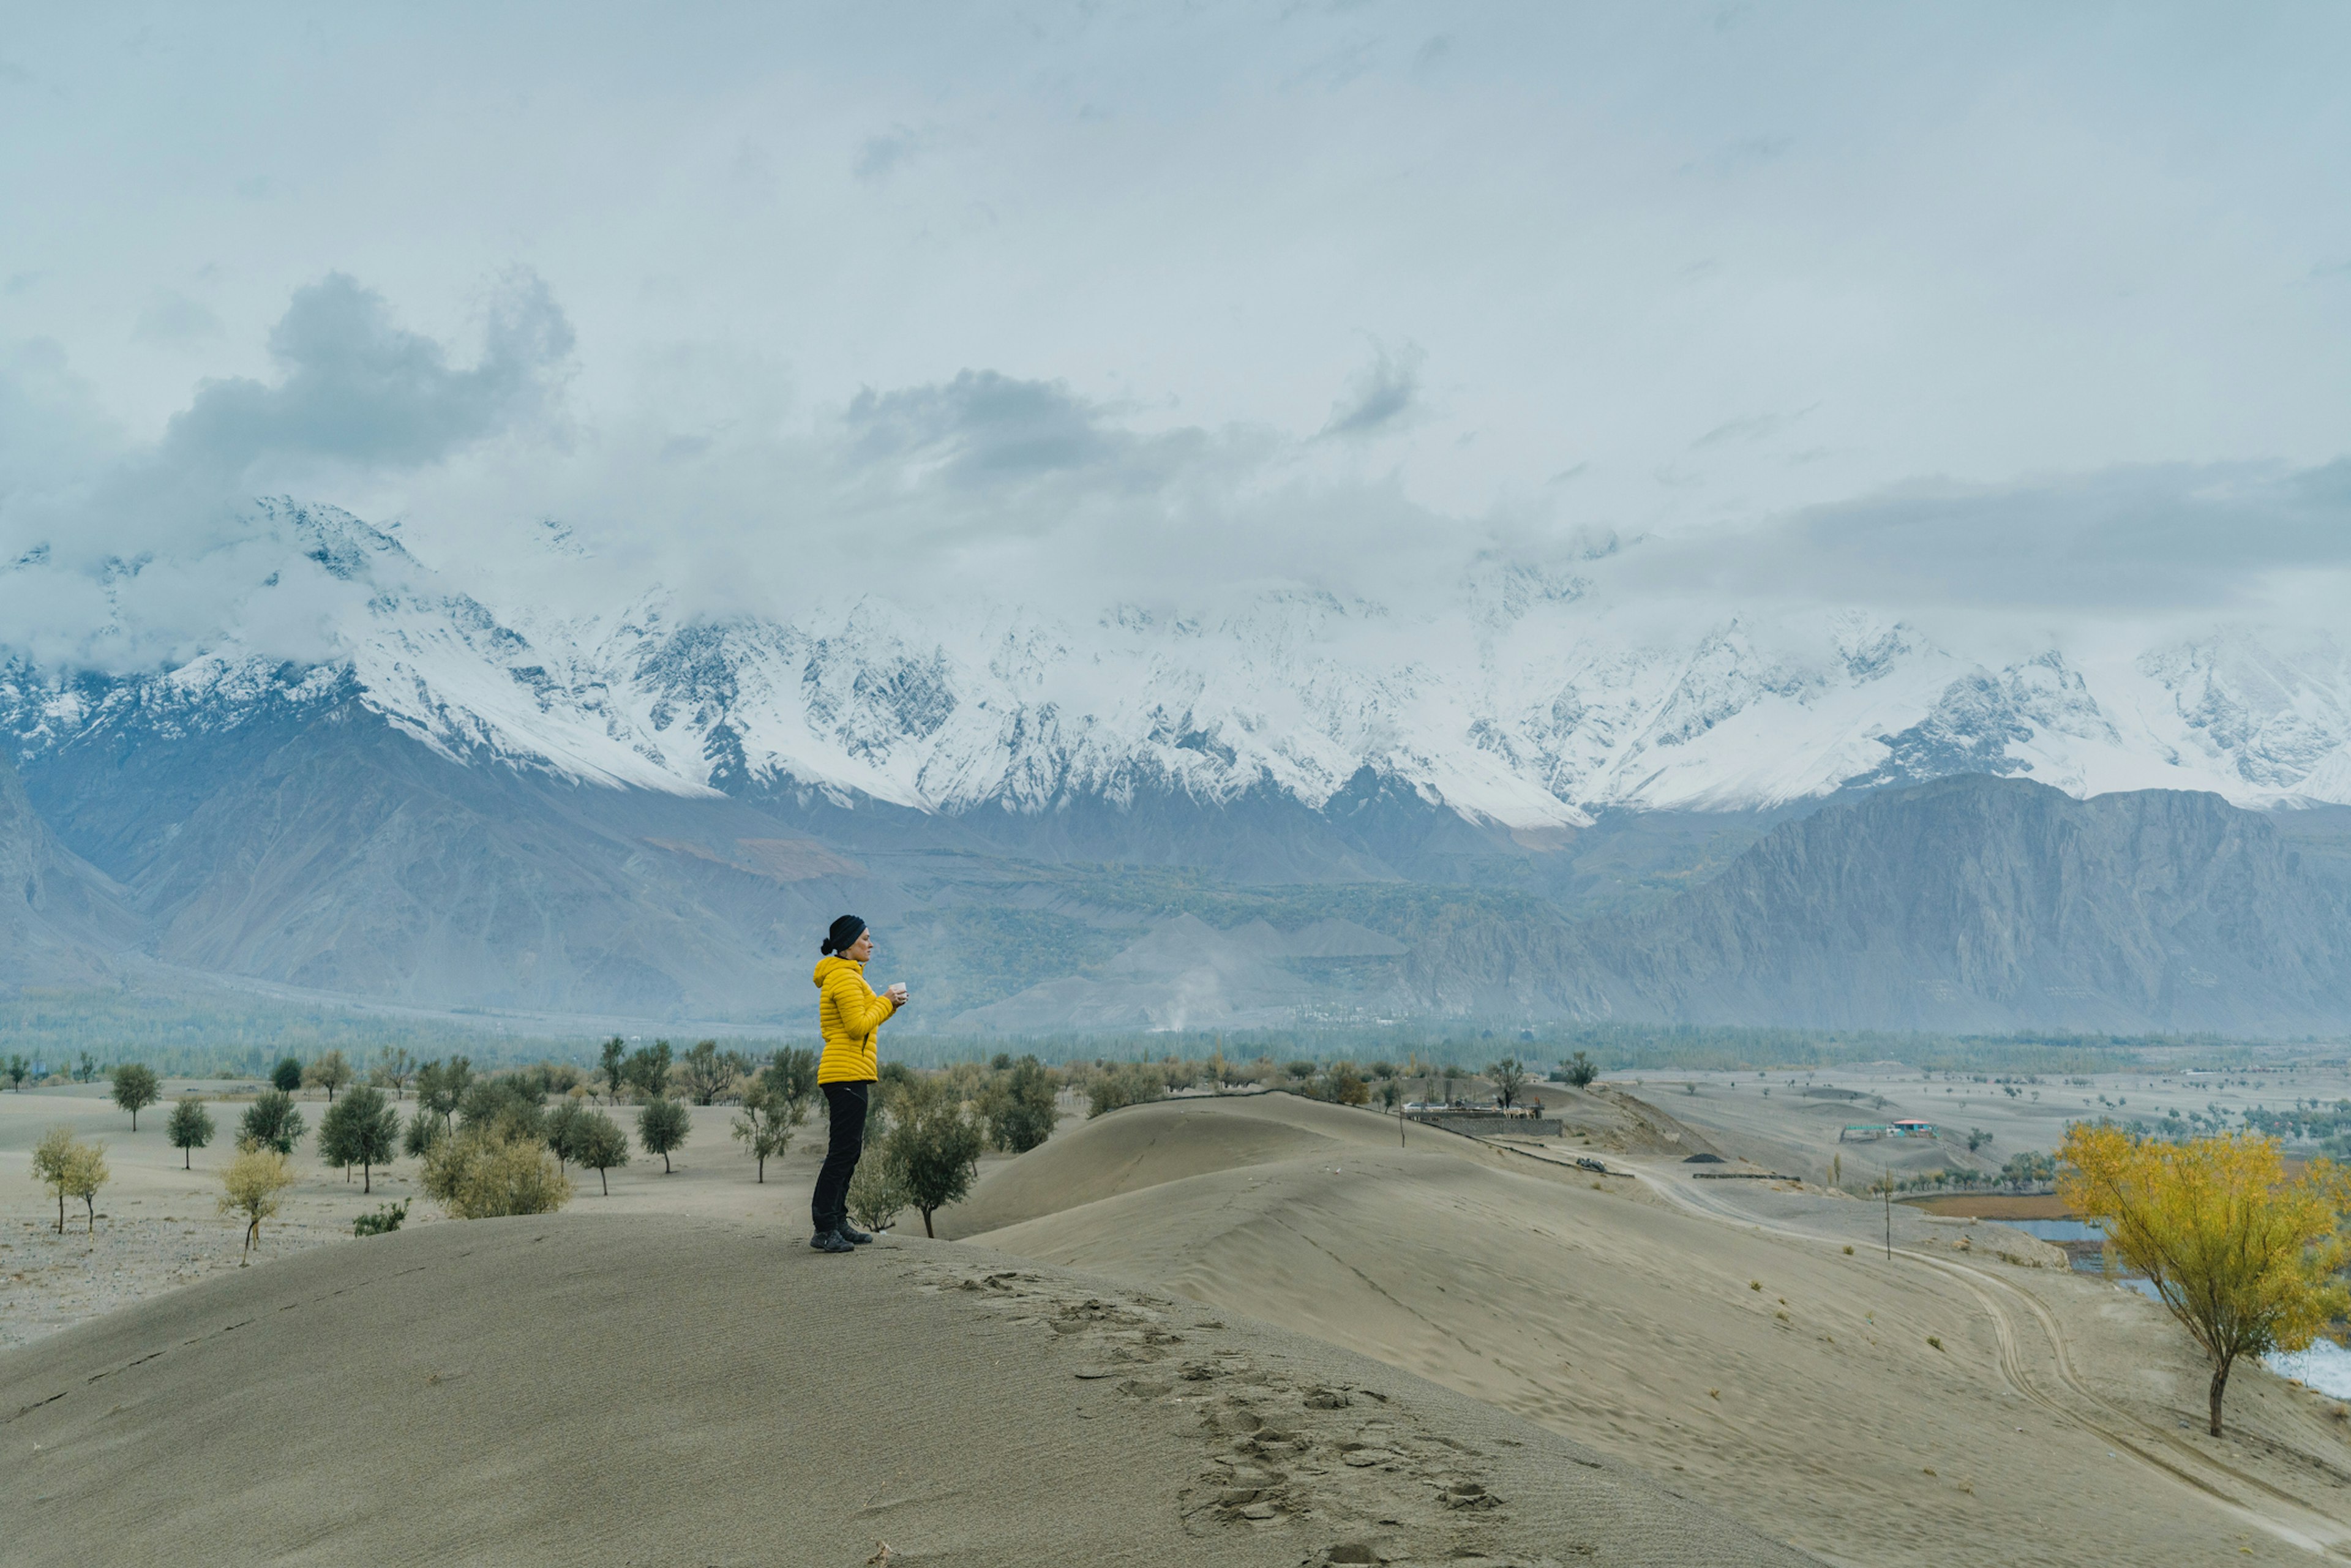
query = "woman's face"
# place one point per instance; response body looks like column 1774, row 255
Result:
column 860, row 949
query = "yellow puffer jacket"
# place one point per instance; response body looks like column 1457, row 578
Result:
column 849, row 1014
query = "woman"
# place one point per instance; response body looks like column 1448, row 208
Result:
column 848, row 1014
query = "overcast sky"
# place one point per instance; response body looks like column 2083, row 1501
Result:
column 1900, row 305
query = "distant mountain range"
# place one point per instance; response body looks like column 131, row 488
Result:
column 1307, row 810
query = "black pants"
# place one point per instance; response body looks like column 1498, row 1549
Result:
column 846, row 1103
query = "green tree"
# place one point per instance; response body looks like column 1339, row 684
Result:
column 512, row 1103
column 251, row 1185
column 85, row 1069
column 287, row 1075
column 563, row 1129
column 599, row 1145
column 272, row 1120
column 330, row 1071
column 792, row 1072
column 616, row 1063
column 648, row 1069
column 135, row 1089
column 362, row 1130
column 190, row 1128
column 704, row 1073
column 933, row 1148
column 482, row 1172
column 440, row 1085
column 1580, row 1071
column 84, row 1173
column 1019, row 1105
column 53, row 1159
column 424, row 1129
column 1508, row 1077
column 393, row 1068
column 663, row 1126
column 17, row 1070
column 764, row 1126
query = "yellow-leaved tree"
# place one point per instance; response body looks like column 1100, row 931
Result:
column 2247, row 1260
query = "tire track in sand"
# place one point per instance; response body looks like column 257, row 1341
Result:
column 2290, row 1518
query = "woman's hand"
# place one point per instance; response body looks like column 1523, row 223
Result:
column 898, row 994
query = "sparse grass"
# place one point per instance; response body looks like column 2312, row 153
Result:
column 1848, row 1250
column 1754, row 1284
column 1935, row 1341
column 1714, row 1394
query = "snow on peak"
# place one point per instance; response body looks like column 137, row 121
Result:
column 1524, row 705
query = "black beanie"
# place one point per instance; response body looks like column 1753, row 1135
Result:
column 843, row 935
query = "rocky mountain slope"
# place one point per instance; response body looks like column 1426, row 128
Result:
column 1976, row 904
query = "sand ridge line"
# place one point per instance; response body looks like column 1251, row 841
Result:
column 1277, row 1449
column 2315, row 1530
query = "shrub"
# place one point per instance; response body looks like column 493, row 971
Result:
column 875, row 1197
column 511, row 1105
column 597, row 1144
column 662, row 1126
column 135, row 1089
column 1343, row 1086
column 424, row 1129
column 483, row 1174
column 189, row 1128
column 1019, row 1106
column 273, row 1121
column 932, row 1148
column 383, row 1222
column 1111, row 1088
column 250, row 1185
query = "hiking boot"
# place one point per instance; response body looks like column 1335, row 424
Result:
column 831, row 1241
column 849, row 1233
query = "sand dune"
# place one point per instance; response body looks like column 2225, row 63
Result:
column 1158, row 1143
column 583, row 1390
column 1792, row 1385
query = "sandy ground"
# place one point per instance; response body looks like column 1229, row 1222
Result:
column 1785, row 1119
column 1700, row 1332
column 159, row 1225
column 1715, row 1335
column 588, row 1389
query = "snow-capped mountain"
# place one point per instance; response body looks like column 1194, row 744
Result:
column 1523, row 705
column 1518, row 798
